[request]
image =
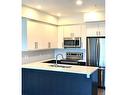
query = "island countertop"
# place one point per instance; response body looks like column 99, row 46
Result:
column 73, row 68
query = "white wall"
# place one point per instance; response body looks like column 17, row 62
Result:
column 82, row 18
column 24, row 33
column 74, row 19
column 38, row 15
column 94, row 16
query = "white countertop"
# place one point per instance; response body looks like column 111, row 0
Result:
column 73, row 69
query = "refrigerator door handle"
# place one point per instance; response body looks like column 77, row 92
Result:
column 97, row 53
column 88, row 52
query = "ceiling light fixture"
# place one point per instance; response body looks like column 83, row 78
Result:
column 79, row 2
column 39, row 7
column 58, row 14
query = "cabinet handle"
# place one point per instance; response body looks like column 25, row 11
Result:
column 49, row 44
column 97, row 33
column 36, row 45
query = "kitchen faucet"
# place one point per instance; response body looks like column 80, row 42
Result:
column 57, row 56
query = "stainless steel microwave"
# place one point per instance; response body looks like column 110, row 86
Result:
column 72, row 42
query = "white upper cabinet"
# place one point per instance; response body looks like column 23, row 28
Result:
column 102, row 28
column 60, row 36
column 34, row 35
column 39, row 29
column 72, row 31
column 95, row 28
column 41, row 35
column 38, row 35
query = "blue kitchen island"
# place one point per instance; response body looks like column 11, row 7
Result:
column 45, row 79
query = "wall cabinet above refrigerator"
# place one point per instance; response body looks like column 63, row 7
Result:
column 96, row 28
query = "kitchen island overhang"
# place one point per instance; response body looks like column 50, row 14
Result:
column 41, row 79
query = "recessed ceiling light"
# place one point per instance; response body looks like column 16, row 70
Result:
column 79, row 2
column 38, row 7
column 58, row 14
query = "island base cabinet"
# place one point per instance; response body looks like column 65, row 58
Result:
column 94, row 78
column 44, row 82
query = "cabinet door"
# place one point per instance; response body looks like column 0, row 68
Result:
column 60, row 36
column 95, row 28
column 91, row 29
column 41, row 35
column 68, row 31
column 33, row 35
column 77, row 30
column 50, row 36
column 72, row 31
column 102, row 28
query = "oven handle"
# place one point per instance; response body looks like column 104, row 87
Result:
column 69, row 62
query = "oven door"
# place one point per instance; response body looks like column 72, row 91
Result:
column 66, row 61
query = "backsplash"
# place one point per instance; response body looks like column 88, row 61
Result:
column 37, row 55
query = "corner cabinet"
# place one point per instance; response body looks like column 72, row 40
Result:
column 96, row 28
column 39, row 35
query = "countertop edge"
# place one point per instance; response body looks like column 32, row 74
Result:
column 36, row 66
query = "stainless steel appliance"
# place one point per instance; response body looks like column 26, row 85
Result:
column 72, row 57
column 96, row 56
column 72, row 42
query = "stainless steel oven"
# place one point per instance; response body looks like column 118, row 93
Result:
column 72, row 57
column 72, row 42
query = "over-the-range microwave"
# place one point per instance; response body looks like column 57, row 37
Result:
column 72, row 42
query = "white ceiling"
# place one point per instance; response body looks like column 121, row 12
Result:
column 66, row 7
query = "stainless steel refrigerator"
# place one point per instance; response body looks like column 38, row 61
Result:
column 95, row 56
